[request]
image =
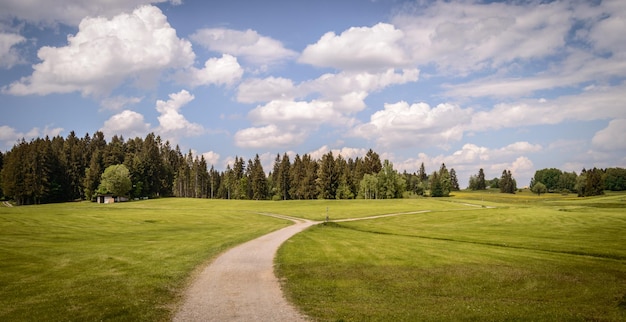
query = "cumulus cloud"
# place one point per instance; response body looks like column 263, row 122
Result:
column 264, row 90
column 401, row 124
column 8, row 54
column 358, row 48
column 526, row 112
column 300, row 113
column 69, row 12
column 127, row 123
column 471, row 157
column 347, row 89
column 418, row 124
column 341, row 95
column 212, row 158
column 461, row 37
column 106, row 52
column 172, row 124
column 10, row 136
column 217, row 71
column 270, row 136
column 345, row 152
column 248, row 44
column 611, row 138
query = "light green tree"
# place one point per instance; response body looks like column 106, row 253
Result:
column 368, row 187
column 115, row 180
column 539, row 188
column 390, row 183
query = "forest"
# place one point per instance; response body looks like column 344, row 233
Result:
column 60, row 169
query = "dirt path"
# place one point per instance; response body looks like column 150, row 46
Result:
column 240, row 284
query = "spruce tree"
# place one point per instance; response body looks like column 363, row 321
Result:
column 454, row 181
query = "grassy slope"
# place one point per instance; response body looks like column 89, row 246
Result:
column 125, row 262
column 547, row 258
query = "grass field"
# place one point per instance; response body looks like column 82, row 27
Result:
column 548, row 258
column 120, row 262
column 552, row 257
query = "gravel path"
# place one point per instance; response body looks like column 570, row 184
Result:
column 240, row 284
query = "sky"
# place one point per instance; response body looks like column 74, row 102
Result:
column 517, row 85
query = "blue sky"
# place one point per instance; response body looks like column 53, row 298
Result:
column 518, row 85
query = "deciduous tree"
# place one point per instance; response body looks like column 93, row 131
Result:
column 115, row 180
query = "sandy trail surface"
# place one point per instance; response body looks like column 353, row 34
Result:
column 240, row 284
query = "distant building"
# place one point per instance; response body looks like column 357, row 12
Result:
column 105, row 198
column 110, row 199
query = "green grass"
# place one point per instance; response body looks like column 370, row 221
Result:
column 553, row 257
column 542, row 258
column 121, row 262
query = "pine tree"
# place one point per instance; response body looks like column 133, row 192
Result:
column 371, row 162
column 444, row 178
column 296, row 178
column 436, row 186
column 343, row 173
column 480, row 180
column 284, row 181
column 507, row 183
column 327, row 177
column 454, row 181
column 310, row 179
column 259, row 180
column 421, row 174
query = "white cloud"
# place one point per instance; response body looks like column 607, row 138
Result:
column 607, row 35
column 340, row 96
column 119, row 102
column 172, row 124
column 345, row 152
column 8, row 54
column 347, row 90
column 577, row 68
column 212, row 158
column 10, row 136
column 522, row 167
column 265, row 90
column 127, row 123
column 270, row 136
column 461, row 37
column 594, row 104
column 104, row 53
column 69, row 12
column 358, row 48
column 300, row 113
column 611, row 138
column 217, row 71
column 571, row 44
column 401, row 124
column 249, row 45
column 470, row 158
column 520, row 148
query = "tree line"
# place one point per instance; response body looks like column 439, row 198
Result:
column 590, row 182
column 60, row 169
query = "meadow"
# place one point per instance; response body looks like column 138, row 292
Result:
column 118, row 262
column 520, row 257
column 473, row 256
